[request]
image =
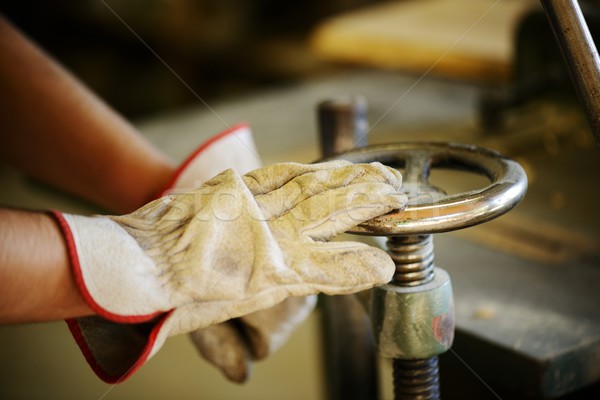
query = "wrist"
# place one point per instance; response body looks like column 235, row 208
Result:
column 35, row 279
column 142, row 188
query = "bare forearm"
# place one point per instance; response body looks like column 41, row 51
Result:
column 36, row 283
column 55, row 129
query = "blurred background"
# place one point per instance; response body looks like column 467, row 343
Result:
column 218, row 48
column 484, row 72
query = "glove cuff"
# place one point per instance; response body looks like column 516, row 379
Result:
column 112, row 273
column 115, row 346
column 233, row 148
column 116, row 351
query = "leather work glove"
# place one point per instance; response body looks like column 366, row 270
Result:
column 235, row 245
column 233, row 345
column 116, row 350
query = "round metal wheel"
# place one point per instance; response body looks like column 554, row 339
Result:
column 430, row 209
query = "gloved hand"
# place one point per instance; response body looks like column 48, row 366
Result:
column 179, row 247
column 116, row 350
column 233, row 345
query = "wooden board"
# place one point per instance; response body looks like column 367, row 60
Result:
column 467, row 39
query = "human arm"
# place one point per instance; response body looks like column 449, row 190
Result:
column 36, row 280
column 54, row 129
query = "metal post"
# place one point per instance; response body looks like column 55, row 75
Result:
column 349, row 351
column 581, row 55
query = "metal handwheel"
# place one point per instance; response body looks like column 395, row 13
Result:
column 413, row 315
column 429, row 209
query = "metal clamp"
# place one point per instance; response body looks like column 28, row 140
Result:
column 413, row 316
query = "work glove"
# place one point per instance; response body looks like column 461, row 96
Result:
column 116, row 350
column 235, row 245
column 233, row 345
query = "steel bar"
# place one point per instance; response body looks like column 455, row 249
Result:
column 580, row 53
column 348, row 345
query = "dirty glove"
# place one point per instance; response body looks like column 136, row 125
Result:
column 233, row 246
column 233, row 345
column 116, row 350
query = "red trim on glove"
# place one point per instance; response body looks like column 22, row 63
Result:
column 197, row 152
column 78, row 275
column 97, row 368
column 161, row 317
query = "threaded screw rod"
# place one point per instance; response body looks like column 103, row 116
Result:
column 416, row 379
column 413, row 255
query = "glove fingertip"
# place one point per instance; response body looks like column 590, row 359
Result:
column 237, row 373
column 359, row 268
column 222, row 346
column 379, row 266
column 397, row 201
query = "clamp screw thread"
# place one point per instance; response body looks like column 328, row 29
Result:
column 413, row 256
column 416, row 379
